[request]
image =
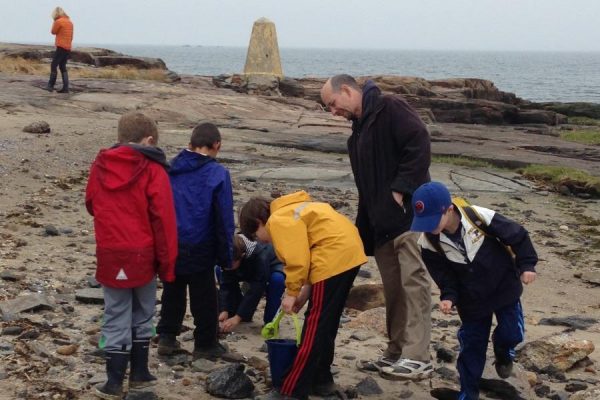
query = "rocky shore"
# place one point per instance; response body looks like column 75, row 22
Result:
column 278, row 139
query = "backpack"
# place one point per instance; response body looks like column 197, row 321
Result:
column 474, row 218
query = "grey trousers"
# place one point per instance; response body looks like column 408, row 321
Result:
column 127, row 312
column 407, row 292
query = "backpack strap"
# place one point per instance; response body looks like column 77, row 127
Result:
column 475, row 219
column 478, row 222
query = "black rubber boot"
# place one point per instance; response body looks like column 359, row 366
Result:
column 51, row 82
column 65, row 79
column 116, row 365
column 139, row 375
column 168, row 345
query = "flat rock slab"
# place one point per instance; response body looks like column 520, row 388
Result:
column 30, row 302
column 573, row 321
column 90, row 295
column 305, row 174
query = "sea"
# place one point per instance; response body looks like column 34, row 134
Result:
column 536, row 76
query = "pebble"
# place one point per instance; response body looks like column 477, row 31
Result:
column 12, row 330
column 50, row 230
column 67, row 350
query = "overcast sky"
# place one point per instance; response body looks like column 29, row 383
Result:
column 548, row 25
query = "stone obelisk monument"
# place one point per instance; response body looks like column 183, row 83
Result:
column 263, row 51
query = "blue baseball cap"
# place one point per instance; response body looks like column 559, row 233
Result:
column 429, row 202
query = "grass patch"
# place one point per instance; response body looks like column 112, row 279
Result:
column 576, row 180
column 18, row 65
column 10, row 65
column 583, row 136
column 584, row 121
column 461, row 161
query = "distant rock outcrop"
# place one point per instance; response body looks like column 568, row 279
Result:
column 470, row 101
column 92, row 56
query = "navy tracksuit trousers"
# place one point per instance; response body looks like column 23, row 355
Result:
column 473, row 337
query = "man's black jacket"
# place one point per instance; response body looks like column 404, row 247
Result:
column 389, row 151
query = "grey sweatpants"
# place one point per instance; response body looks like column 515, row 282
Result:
column 128, row 312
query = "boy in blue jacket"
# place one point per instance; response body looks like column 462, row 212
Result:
column 204, row 207
column 256, row 264
column 472, row 263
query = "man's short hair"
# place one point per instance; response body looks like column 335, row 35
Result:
column 257, row 209
column 135, row 126
column 205, row 135
column 343, row 79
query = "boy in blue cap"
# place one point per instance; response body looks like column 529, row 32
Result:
column 469, row 254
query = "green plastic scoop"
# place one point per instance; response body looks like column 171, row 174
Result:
column 271, row 329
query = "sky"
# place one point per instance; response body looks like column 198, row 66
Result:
column 523, row 25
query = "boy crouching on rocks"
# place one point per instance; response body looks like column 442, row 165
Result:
column 468, row 251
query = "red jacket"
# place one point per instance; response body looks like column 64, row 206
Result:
column 130, row 197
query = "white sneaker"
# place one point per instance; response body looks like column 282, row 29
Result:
column 405, row 368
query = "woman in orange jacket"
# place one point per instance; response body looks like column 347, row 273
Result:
column 63, row 29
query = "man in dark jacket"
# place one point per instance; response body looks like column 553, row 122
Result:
column 204, row 208
column 390, row 154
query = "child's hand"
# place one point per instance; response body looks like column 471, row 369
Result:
column 527, row 277
column 230, row 324
column 287, row 304
column 223, row 316
column 445, row 306
column 302, row 297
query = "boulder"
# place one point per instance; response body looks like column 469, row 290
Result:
column 366, row 297
column 368, row 387
column 230, row 382
column 553, row 353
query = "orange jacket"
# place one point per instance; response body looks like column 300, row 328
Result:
column 63, row 29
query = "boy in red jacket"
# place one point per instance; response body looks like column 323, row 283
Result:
column 129, row 195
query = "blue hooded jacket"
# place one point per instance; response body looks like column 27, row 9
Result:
column 204, row 207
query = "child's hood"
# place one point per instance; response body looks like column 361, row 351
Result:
column 296, row 197
column 187, row 161
column 122, row 165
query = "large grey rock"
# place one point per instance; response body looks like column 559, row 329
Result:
column 368, row 387
column 230, row 382
column 19, row 304
column 553, row 353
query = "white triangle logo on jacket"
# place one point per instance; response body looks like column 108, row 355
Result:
column 121, row 275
